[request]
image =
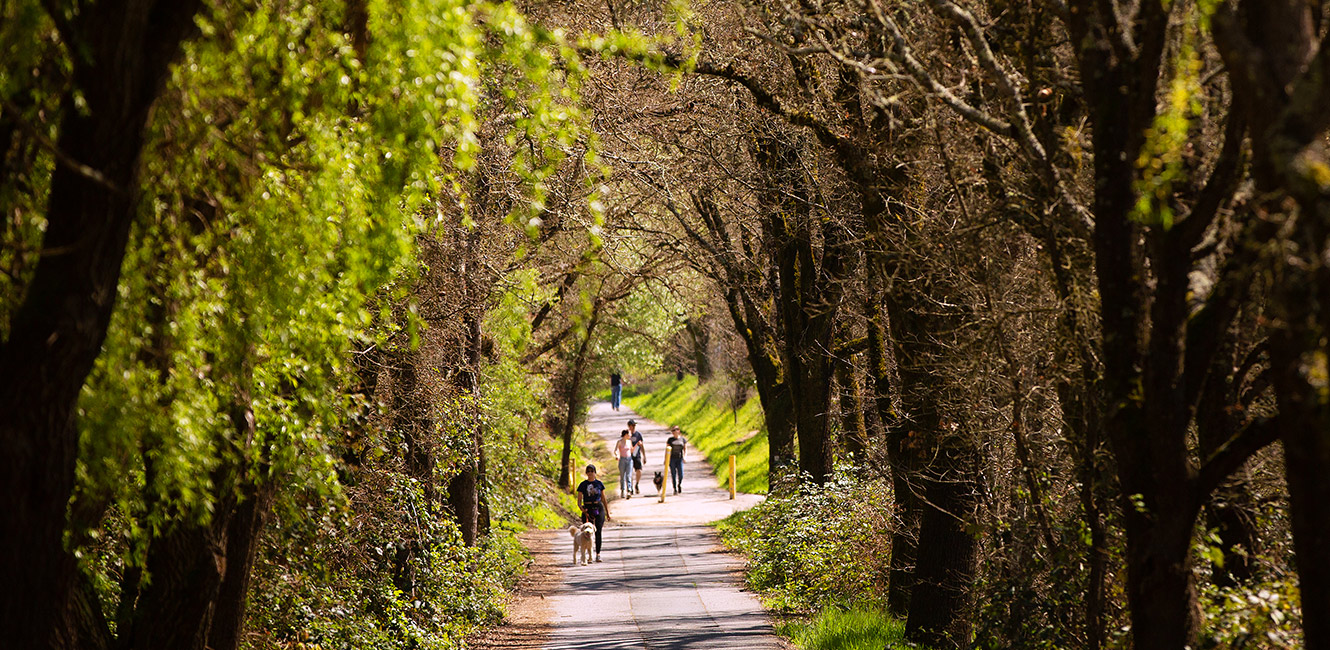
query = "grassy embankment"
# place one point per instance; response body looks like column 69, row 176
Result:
column 549, row 507
column 710, row 424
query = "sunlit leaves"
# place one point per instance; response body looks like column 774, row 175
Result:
column 285, row 182
column 1161, row 161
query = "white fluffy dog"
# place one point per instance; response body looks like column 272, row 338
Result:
column 584, row 538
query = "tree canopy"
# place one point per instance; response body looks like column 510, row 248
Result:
column 302, row 304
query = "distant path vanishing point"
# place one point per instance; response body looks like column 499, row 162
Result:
column 665, row 582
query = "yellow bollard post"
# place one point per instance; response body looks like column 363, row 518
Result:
column 667, row 476
column 732, row 475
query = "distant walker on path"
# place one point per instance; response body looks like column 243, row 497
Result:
column 677, row 444
column 616, row 389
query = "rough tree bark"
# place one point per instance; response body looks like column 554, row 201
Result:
column 701, row 340
column 760, row 341
column 902, row 458
column 809, row 293
column 121, row 53
column 854, row 429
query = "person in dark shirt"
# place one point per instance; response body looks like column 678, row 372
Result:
column 591, row 500
column 677, row 445
column 616, row 389
column 639, row 455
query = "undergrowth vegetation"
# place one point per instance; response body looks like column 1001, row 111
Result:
column 715, row 422
column 820, row 555
column 814, row 546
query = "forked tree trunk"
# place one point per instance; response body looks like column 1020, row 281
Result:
column 808, row 295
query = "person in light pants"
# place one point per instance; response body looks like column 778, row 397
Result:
column 623, row 450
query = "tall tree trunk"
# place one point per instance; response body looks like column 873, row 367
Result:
column 944, row 579
column 199, row 573
column 464, row 500
column 242, row 543
column 772, row 393
column 701, row 339
column 903, row 461
column 1282, row 73
column 760, row 341
column 121, row 52
column 1304, row 419
column 811, row 382
column 1229, row 510
column 574, row 399
column 464, row 490
column 808, row 295
column 1081, row 416
column 778, row 415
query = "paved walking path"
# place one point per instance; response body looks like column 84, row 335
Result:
column 664, row 583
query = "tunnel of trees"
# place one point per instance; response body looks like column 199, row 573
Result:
column 298, row 297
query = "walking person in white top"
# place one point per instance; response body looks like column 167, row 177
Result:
column 623, row 450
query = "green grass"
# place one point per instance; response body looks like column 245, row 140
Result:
column 708, row 422
column 860, row 627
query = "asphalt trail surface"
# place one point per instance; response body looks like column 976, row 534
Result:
column 665, row 582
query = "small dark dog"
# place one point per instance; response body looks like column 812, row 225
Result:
column 659, row 480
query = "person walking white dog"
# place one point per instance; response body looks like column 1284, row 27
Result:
column 591, row 500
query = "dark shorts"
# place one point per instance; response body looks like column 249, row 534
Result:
column 637, row 462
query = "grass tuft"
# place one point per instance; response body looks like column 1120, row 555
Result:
column 859, row 627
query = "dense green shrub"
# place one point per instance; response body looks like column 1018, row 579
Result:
column 1265, row 615
column 816, row 545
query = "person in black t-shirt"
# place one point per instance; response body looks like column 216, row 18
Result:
column 591, row 499
column 677, row 445
column 616, row 389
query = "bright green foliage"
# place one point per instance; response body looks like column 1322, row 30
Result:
column 817, row 545
column 285, row 179
column 512, row 404
column 337, row 587
column 861, row 626
column 1253, row 616
column 274, row 209
column 1162, row 157
column 715, row 424
column 633, row 335
column 34, row 71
